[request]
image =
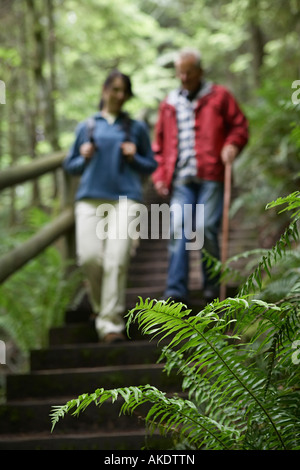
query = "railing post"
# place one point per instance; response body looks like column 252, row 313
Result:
column 67, row 188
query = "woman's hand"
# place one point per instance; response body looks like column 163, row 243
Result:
column 86, row 150
column 129, row 150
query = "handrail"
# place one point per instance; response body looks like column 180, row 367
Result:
column 61, row 225
column 19, row 174
column 19, row 256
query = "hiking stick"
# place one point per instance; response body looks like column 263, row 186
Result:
column 225, row 223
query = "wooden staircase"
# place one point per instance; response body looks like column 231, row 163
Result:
column 75, row 363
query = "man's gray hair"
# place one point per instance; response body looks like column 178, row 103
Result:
column 190, row 52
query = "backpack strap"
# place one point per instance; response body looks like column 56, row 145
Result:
column 90, row 124
column 126, row 126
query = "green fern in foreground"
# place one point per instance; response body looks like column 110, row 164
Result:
column 239, row 366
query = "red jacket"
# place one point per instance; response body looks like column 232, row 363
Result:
column 218, row 121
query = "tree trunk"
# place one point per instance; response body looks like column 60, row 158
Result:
column 51, row 117
column 258, row 50
column 12, row 133
column 39, row 84
column 257, row 40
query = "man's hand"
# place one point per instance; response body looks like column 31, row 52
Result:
column 129, row 150
column 86, row 150
column 161, row 189
column 228, row 153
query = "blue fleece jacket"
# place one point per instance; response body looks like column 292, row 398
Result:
column 107, row 175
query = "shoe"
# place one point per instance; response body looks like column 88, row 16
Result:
column 114, row 338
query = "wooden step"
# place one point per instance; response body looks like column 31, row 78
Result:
column 75, row 333
column 73, row 382
column 118, row 441
column 33, row 416
column 94, row 355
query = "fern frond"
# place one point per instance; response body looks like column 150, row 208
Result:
column 209, row 354
column 227, row 393
column 254, row 281
column 292, row 202
column 170, row 415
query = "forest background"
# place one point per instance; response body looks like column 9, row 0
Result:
column 54, row 56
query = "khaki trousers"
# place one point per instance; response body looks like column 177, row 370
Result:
column 103, row 252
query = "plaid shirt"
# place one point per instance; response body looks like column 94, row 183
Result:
column 186, row 164
column 186, row 168
column 218, row 121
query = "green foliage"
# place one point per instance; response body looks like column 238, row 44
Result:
column 141, row 37
column 238, row 365
column 269, row 166
column 292, row 204
column 35, row 298
column 249, row 46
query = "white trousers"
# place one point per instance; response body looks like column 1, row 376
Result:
column 103, row 252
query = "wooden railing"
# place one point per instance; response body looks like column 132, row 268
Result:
column 62, row 225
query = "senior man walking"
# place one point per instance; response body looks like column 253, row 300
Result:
column 200, row 128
